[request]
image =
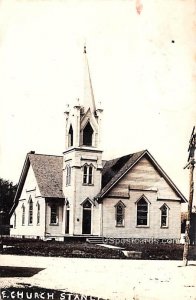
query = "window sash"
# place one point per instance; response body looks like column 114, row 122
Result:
column 119, row 215
column 164, row 216
column 119, row 219
column 163, row 221
column 88, row 175
column 142, row 213
column 85, row 175
column 54, row 215
column 31, row 212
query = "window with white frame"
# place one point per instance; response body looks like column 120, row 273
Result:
column 30, row 211
column 142, row 212
column 38, row 213
column 54, row 215
column 68, row 175
column 120, row 214
column 23, row 214
column 88, row 174
column 164, row 215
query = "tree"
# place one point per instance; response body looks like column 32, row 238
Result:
column 7, row 193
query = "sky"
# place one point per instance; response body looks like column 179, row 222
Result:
column 142, row 68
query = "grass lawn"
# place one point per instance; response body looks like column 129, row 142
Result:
column 86, row 250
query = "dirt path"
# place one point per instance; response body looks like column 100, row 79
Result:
column 112, row 279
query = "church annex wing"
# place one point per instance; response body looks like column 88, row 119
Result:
column 48, row 174
column 115, row 169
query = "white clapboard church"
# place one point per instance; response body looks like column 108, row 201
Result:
column 79, row 194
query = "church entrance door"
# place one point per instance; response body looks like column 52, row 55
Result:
column 86, row 222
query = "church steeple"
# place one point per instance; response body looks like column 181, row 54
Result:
column 83, row 121
column 88, row 101
column 82, row 160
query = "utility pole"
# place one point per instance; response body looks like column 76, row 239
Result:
column 190, row 166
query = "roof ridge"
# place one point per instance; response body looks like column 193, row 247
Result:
column 126, row 155
column 54, row 155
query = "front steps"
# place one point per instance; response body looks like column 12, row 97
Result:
column 95, row 240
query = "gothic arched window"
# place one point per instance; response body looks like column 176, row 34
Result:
column 88, row 135
column 120, row 214
column 142, row 212
column 164, row 215
column 38, row 213
column 30, row 211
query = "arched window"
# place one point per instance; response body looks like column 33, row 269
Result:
column 88, row 135
column 70, row 136
column 164, row 215
column 88, row 175
column 30, row 211
column 120, row 214
column 23, row 215
column 54, row 214
column 38, row 213
column 68, row 175
column 142, row 212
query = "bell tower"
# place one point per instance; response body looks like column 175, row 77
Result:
column 82, row 163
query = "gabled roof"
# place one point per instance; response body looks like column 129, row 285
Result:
column 48, row 173
column 48, row 170
column 115, row 169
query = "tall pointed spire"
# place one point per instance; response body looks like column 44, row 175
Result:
column 89, row 101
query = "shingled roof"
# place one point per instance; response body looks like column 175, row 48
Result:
column 115, row 169
column 48, row 170
column 48, row 173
